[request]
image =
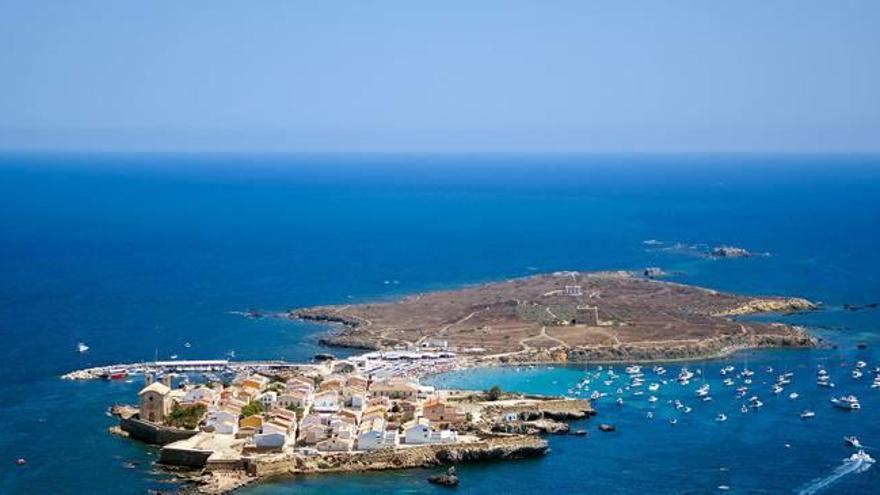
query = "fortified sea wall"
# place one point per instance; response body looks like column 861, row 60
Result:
column 153, row 434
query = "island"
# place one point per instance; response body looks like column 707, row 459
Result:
column 234, row 423
column 566, row 316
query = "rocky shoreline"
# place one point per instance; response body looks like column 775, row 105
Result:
column 219, row 480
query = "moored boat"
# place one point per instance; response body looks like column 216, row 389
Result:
column 846, row 402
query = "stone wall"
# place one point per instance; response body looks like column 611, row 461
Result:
column 184, row 457
column 151, row 433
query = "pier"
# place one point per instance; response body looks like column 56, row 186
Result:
column 182, row 366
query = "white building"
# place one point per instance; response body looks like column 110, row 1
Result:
column 358, row 401
column 201, row 394
column 268, row 399
column 444, row 436
column 421, row 433
column 573, row 290
column 326, row 402
column 221, row 421
column 417, row 433
column 295, row 398
column 371, row 434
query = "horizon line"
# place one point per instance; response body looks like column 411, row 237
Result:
column 450, row 151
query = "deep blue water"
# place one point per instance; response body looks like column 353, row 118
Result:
column 137, row 254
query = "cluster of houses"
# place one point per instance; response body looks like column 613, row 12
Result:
column 333, row 413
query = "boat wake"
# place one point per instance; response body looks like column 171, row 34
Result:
column 849, row 466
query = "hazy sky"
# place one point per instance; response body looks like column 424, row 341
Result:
column 446, row 74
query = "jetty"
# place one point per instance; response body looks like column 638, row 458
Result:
column 188, row 366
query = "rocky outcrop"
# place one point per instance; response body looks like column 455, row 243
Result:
column 532, row 427
column 348, row 341
column 447, row 479
column 323, row 317
column 486, row 449
column 729, row 252
column 775, row 305
column 542, row 408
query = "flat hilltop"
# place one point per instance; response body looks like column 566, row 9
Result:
column 566, row 316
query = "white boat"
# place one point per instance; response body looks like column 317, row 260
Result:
column 747, row 373
column 652, row 399
column 595, row 395
column 187, row 345
column 650, row 415
column 619, row 401
column 721, row 418
column 769, row 369
column 777, row 389
column 703, row 391
column 807, row 414
column 861, row 364
column 673, row 421
column 876, row 383
column 847, row 402
column 728, row 382
column 852, row 442
column 756, row 404
column 856, row 374
column 685, row 375
column 654, row 387
column 743, row 409
column 825, row 383
column 80, row 347
column 687, row 409
column 633, row 369
column 793, row 395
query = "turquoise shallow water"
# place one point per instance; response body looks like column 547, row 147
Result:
column 137, row 254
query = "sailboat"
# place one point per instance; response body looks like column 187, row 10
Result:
column 81, row 348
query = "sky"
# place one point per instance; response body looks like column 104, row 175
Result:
column 616, row 75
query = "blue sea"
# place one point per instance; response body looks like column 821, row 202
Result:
column 137, row 254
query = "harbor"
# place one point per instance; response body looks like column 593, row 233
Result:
column 383, row 364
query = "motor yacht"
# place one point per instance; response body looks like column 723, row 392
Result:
column 846, row 402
